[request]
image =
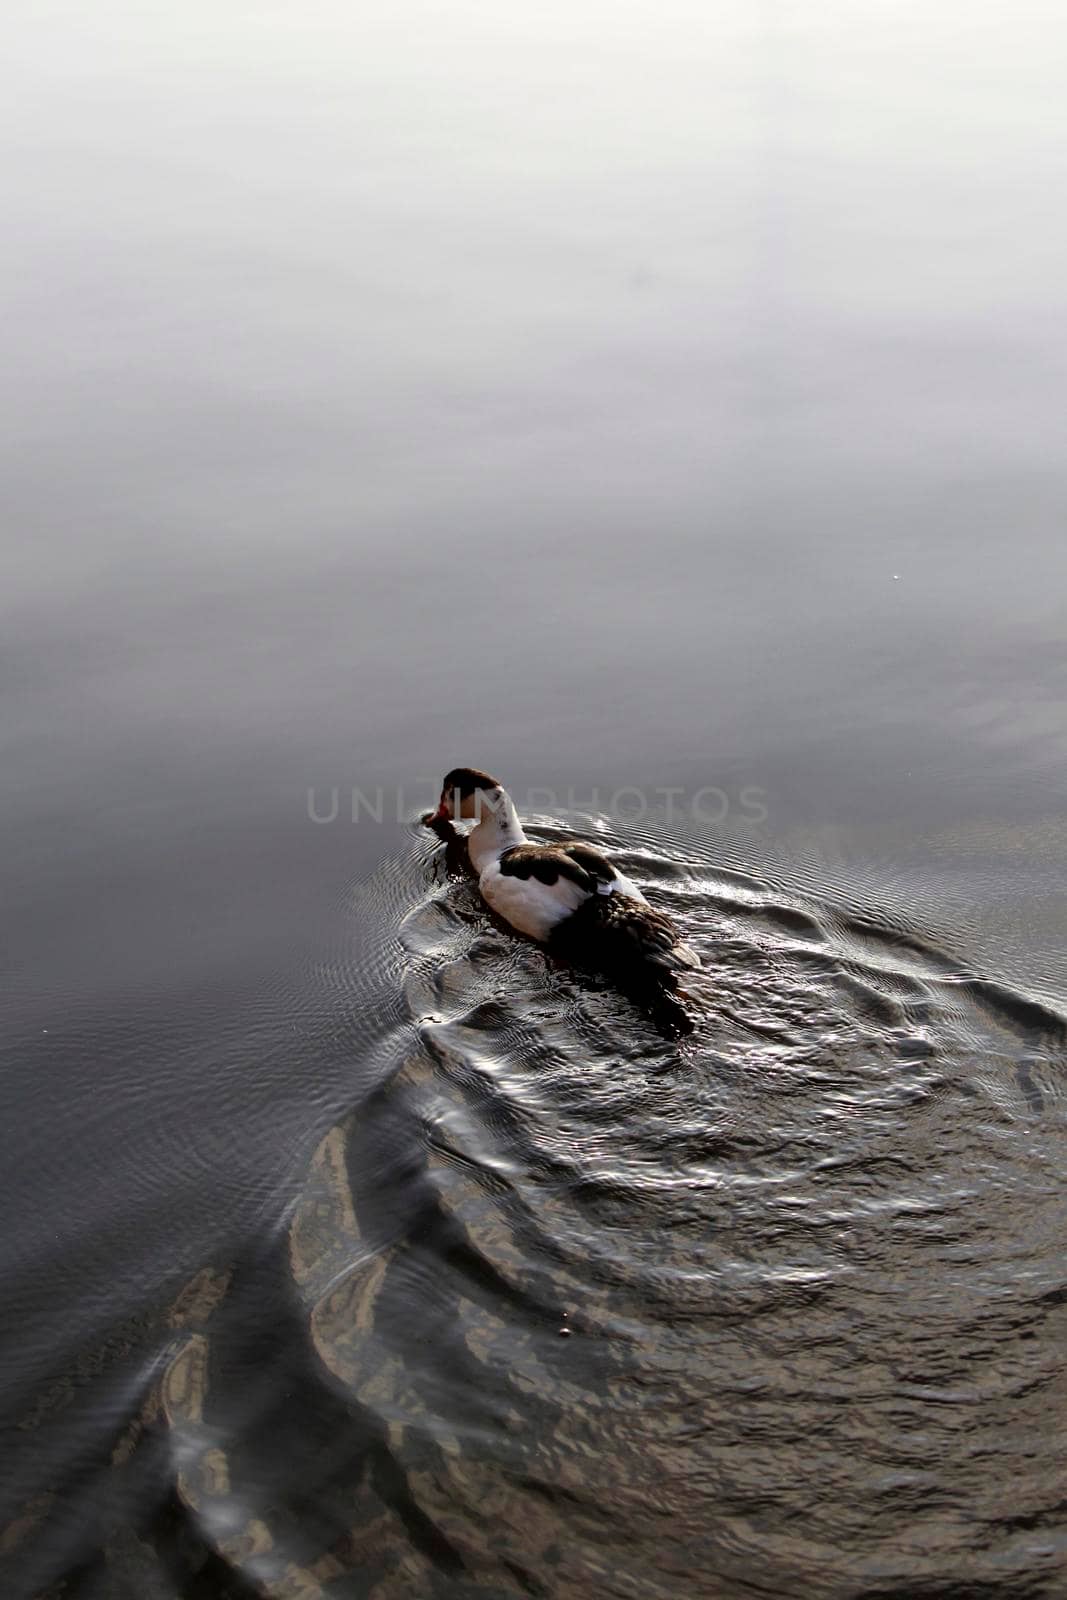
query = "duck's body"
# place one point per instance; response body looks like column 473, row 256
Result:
column 557, row 891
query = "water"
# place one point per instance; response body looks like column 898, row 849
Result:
column 609, row 398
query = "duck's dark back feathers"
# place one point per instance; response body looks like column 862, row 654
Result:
column 623, row 937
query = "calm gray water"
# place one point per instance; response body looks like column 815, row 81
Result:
column 616, row 397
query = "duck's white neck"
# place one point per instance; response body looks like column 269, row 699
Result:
column 498, row 830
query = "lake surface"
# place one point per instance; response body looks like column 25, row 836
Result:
column 661, row 407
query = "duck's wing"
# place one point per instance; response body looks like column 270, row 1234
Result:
column 593, row 861
column 548, row 863
column 609, row 878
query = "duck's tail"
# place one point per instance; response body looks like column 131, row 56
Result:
column 677, row 958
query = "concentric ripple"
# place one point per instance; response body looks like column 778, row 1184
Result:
column 573, row 1307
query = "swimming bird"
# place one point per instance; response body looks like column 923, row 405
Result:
column 570, row 896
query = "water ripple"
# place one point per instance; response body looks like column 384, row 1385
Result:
column 579, row 1306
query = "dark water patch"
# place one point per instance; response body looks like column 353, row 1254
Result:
column 567, row 1303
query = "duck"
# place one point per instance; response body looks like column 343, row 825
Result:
column 570, row 896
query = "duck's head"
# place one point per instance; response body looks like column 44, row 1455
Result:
column 466, row 792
